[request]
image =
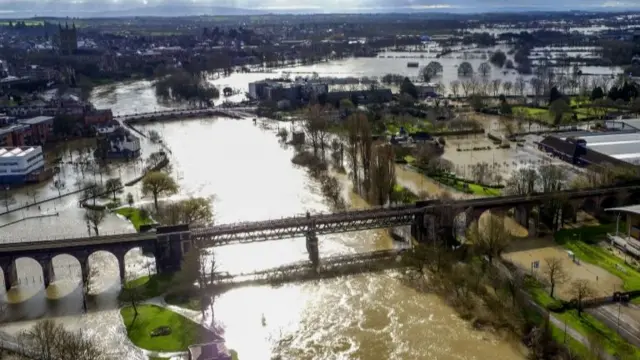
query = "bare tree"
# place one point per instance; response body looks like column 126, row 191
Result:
column 95, row 218
column 47, row 340
column 551, row 177
column 523, row 181
column 32, row 193
column 490, row 236
column 191, row 211
column 7, row 199
column 454, row 86
column 581, row 290
column 132, row 295
column 506, row 87
column 113, row 186
column 520, row 86
column 554, row 273
column 495, row 86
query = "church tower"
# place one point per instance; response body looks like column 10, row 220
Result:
column 68, row 39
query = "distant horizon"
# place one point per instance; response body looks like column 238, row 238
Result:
column 86, row 9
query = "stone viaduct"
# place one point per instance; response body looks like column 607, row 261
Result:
column 427, row 218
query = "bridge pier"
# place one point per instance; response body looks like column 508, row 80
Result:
column 48, row 274
column 522, row 214
column 10, row 274
column 312, row 248
column 84, row 271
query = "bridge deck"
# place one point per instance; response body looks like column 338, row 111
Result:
column 296, row 226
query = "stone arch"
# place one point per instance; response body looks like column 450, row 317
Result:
column 589, row 205
column 103, row 270
column 26, row 272
column 140, row 263
column 66, row 267
column 631, row 199
column 609, row 202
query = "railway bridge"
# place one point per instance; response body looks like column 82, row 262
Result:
column 168, row 244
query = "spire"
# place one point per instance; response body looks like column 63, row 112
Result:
column 66, row 25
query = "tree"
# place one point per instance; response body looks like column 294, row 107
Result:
column 190, row 211
column 113, row 186
column 316, row 127
column 498, row 58
column 47, row 340
column 430, row 71
column 465, row 69
column 157, row 183
column 520, row 85
column 484, row 69
column 495, row 86
column 551, row 177
column 554, row 273
column 383, row 173
column 407, row 87
column 558, row 108
column 506, row 87
column 92, row 190
column 32, row 193
column 581, row 290
column 155, row 159
column 7, row 199
column 130, row 200
column 195, row 272
column 132, row 295
column 95, row 218
column 454, row 86
column 489, row 236
column 522, row 182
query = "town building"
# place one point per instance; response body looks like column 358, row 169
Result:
column 21, row 165
column 117, row 143
column 41, row 128
column 617, row 148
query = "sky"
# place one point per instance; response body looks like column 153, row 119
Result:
column 92, row 7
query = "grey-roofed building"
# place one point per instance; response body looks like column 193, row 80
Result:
column 621, row 146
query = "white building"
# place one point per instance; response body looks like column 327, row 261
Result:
column 20, row 164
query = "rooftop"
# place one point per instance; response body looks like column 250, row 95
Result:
column 16, row 151
column 36, row 120
column 620, row 145
column 633, row 209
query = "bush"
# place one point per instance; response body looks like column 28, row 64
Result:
column 556, row 306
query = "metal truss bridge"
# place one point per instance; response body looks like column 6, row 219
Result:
column 329, row 267
column 301, row 226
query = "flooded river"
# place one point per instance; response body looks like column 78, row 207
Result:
column 249, row 176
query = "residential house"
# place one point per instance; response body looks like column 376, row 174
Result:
column 118, row 144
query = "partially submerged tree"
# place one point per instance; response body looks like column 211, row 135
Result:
column 113, row 186
column 157, row 183
column 95, row 218
column 47, row 340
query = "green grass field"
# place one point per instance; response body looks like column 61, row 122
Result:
column 585, row 324
column 134, row 216
column 184, row 332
